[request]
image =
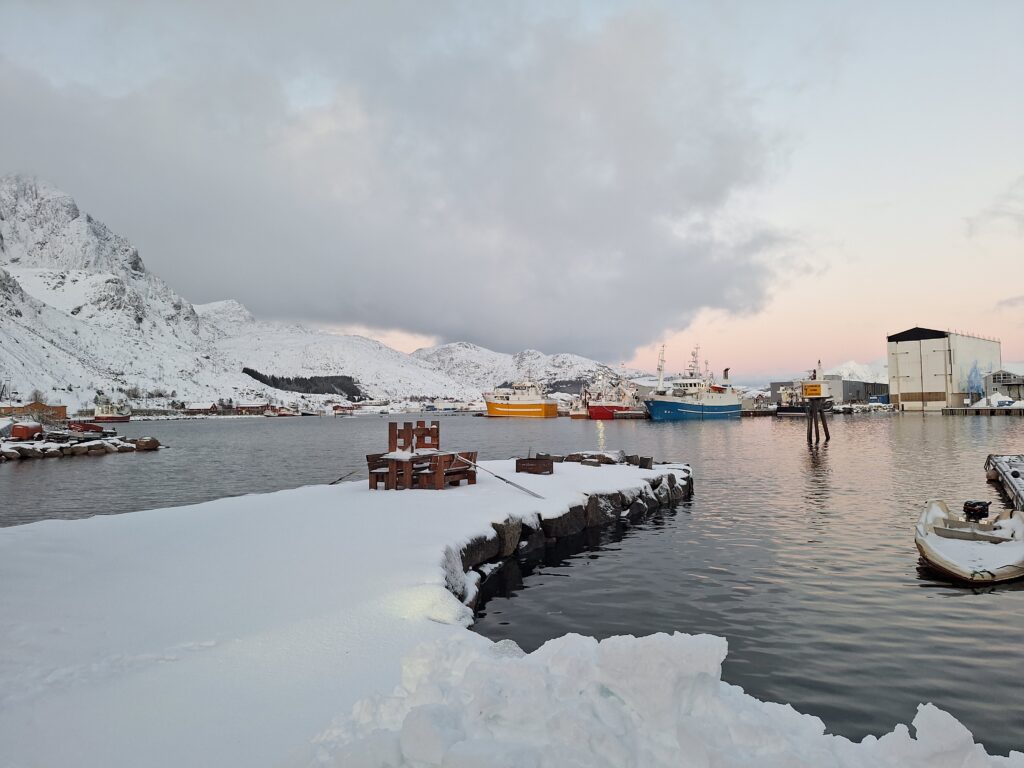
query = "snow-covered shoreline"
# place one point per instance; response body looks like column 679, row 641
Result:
column 315, row 626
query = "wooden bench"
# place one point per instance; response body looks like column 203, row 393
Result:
column 447, row 469
column 378, row 469
column 463, row 469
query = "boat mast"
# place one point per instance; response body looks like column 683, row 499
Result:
column 695, row 363
column 661, row 369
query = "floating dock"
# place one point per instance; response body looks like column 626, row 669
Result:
column 1009, row 472
column 970, row 410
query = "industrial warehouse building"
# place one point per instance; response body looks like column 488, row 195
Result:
column 930, row 370
column 842, row 390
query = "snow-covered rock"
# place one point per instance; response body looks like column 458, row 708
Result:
column 655, row 701
column 227, row 315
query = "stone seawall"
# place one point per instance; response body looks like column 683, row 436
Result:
column 520, row 537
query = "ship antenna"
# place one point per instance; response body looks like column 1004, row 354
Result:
column 661, row 368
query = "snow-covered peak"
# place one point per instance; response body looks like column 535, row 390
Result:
column 42, row 227
column 851, row 370
column 484, row 368
column 226, row 312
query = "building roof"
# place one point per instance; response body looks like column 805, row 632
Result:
column 918, row 334
column 200, row 406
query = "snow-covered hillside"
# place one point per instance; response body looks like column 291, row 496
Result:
column 82, row 315
column 295, row 350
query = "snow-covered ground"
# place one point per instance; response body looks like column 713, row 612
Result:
column 997, row 400
column 313, row 626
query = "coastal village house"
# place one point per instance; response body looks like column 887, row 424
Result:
column 201, row 409
column 1005, row 383
column 36, row 411
column 251, row 409
column 930, row 370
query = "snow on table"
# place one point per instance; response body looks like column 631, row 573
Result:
column 244, row 631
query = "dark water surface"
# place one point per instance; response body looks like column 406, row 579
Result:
column 803, row 558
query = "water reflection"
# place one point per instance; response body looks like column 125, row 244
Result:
column 803, row 557
column 817, row 486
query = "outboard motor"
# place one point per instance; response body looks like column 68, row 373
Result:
column 975, row 511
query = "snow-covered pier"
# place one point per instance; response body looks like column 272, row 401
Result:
column 1009, row 472
column 321, row 626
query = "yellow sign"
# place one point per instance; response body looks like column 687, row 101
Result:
column 812, row 390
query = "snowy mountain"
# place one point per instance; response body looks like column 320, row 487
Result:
column 851, row 370
column 82, row 315
column 483, row 369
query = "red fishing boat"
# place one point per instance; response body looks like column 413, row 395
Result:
column 609, row 398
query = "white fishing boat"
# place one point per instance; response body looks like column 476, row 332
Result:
column 107, row 411
column 968, row 548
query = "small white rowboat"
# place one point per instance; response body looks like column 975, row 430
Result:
column 971, row 551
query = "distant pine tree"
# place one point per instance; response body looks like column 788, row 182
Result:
column 312, row 385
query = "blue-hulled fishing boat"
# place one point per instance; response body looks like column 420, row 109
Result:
column 697, row 396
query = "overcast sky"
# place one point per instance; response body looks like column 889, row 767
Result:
column 777, row 181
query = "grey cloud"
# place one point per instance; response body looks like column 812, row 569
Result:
column 515, row 178
column 1011, row 303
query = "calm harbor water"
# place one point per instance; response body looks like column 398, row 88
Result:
column 802, row 557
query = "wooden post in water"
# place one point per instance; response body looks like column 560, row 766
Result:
column 814, row 392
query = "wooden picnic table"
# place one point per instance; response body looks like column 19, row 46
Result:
column 403, row 465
